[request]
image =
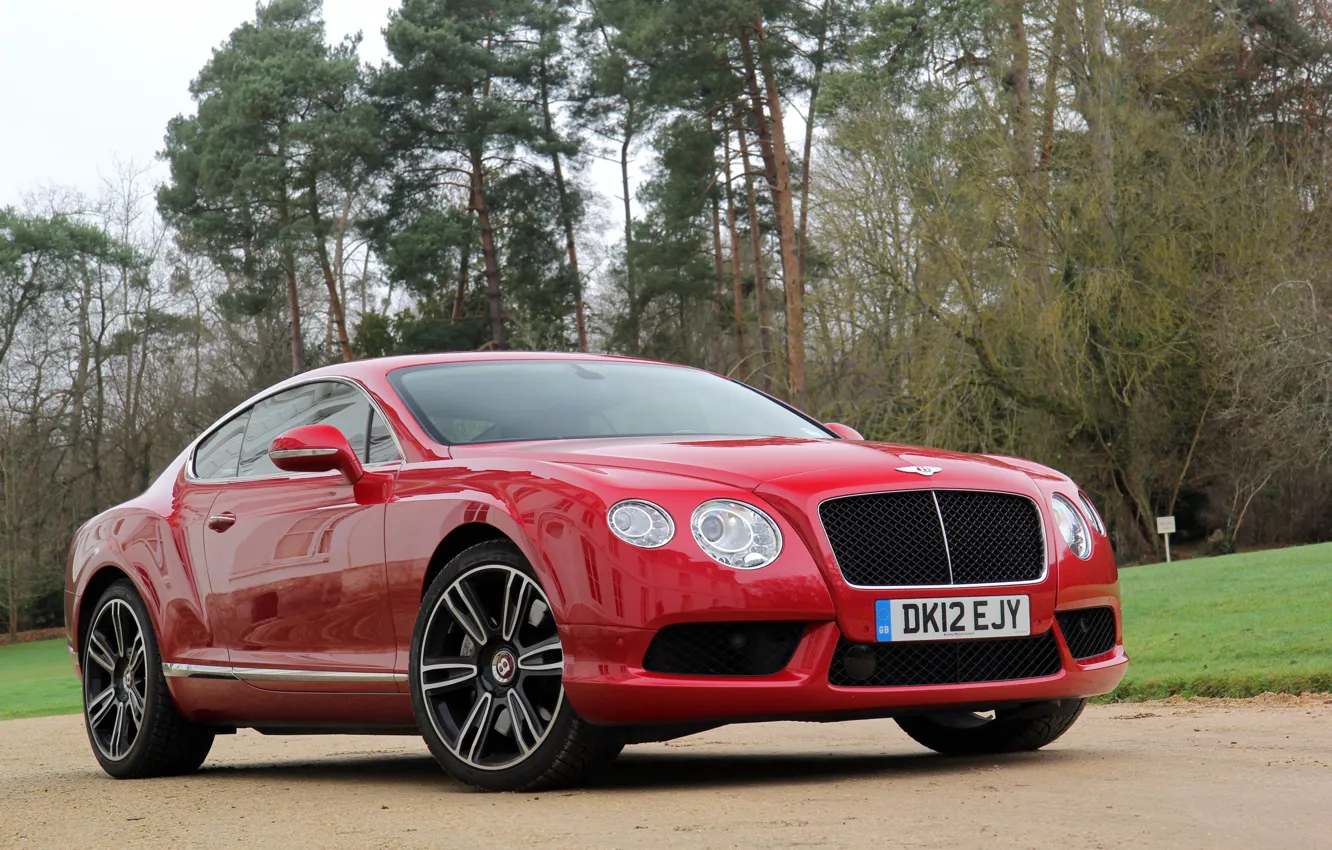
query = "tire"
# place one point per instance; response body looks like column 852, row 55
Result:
column 132, row 724
column 487, row 679
column 1012, row 731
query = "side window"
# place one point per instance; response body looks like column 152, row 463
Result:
column 381, row 447
column 216, row 457
column 328, row 402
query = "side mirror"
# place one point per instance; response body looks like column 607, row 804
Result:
column 846, row 432
column 315, row 448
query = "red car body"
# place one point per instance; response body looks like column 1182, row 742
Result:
column 288, row 602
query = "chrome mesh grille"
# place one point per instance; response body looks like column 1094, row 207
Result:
column 935, row 537
column 953, row 662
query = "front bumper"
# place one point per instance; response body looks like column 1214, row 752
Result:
column 605, row 684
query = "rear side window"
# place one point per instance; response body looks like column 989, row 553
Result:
column 217, row 456
column 380, row 448
column 327, row 402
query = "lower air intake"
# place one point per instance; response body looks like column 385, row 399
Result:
column 723, row 649
column 1089, row 632
column 954, row 662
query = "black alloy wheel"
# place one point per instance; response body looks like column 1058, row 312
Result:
column 487, row 678
column 132, row 723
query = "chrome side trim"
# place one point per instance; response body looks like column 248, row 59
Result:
column 1045, row 540
column 273, row 674
column 195, row 671
column 286, row 453
column 269, row 674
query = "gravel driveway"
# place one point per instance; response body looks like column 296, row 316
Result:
column 1207, row 774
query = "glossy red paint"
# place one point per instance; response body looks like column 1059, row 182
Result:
column 323, row 568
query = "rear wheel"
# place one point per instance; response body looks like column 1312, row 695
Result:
column 966, row 733
column 132, row 724
column 486, row 679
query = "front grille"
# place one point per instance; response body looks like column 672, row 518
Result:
column 1089, row 632
column 954, row 662
column 723, row 649
column 935, row 537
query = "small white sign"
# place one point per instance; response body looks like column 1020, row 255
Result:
column 1165, row 525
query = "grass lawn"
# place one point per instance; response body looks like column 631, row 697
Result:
column 1231, row 626
column 36, row 679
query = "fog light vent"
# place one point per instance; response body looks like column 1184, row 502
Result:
column 723, row 649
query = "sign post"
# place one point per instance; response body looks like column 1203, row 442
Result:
column 1165, row 525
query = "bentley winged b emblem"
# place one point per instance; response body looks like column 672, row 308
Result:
column 927, row 471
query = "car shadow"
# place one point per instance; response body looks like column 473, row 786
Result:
column 639, row 771
column 646, row 770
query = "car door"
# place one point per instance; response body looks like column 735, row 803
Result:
column 296, row 561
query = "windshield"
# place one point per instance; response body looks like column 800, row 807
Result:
column 499, row 401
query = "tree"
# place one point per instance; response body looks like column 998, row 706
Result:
column 451, row 100
column 279, row 137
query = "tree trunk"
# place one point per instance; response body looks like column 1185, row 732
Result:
column 737, row 280
column 331, row 282
column 628, row 235
column 756, row 248
column 772, row 138
column 1031, row 245
column 718, row 275
column 566, row 212
column 807, row 169
column 464, row 269
column 488, row 250
column 1093, row 101
column 293, row 293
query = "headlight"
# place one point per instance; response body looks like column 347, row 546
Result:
column 640, row 523
column 736, row 534
column 1091, row 512
column 1072, row 527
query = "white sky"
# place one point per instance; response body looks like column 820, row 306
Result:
column 87, row 83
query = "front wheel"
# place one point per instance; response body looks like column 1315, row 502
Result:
column 965, row 733
column 486, row 679
column 133, row 725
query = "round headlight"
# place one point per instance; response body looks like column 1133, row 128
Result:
column 1072, row 527
column 736, row 534
column 1092, row 513
column 640, row 523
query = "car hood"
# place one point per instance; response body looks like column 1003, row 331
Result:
column 750, row 462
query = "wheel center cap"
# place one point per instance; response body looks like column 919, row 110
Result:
column 503, row 666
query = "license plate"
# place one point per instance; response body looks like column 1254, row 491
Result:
column 951, row 618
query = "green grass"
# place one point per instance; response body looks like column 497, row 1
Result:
column 36, row 679
column 1231, row 626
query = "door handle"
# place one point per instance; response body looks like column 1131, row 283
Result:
column 222, row 521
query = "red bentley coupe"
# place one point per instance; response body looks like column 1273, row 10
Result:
column 533, row 560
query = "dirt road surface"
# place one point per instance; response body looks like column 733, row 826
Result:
column 1206, row 774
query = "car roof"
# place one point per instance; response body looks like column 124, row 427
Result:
column 379, row 366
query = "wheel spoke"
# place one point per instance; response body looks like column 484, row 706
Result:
column 525, row 732
column 468, row 613
column 100, row 652
column 118, row 627
column 459, row 673
column 137, row 652
column 117, row 731
column 529, row 661
column 515, row 603
column 100, row 705
column 475, row 725
column 136, row 704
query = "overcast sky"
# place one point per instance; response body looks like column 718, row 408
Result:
column 86, row 82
